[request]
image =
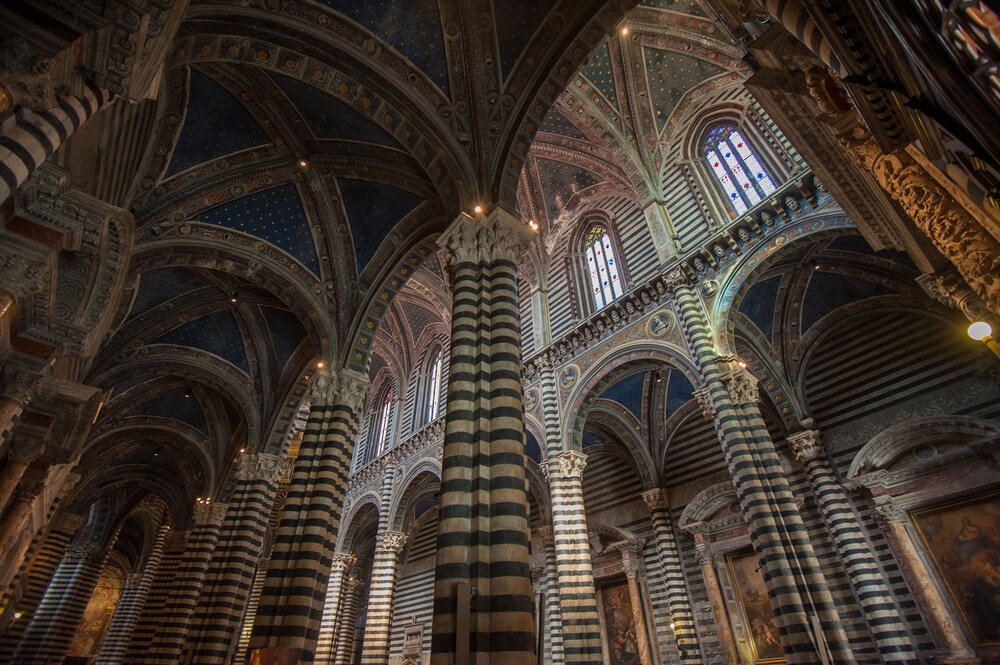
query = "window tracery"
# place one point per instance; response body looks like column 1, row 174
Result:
column 737, row 168
column 602, row 267
column 434, row 388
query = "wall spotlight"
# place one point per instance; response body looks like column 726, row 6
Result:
column 321, row 364
column 478, row 209
column 234, row 296
column 624, row 30
column 303, row 163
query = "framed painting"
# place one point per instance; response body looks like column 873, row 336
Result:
column 751, row 593
column 622, row 646
column 963, row 541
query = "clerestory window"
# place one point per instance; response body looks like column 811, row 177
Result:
column 737, row 168
column 603, row 267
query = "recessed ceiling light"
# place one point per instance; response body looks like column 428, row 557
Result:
column 478, row 209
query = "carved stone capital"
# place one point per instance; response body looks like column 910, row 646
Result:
column 261, row 466
column 631, row 568
column 656, row 498
column 84, row 554
column 343, row 562
column 704, row 398
column 741, row 383
column 354, row 585
column 341, row 387
column 497, row 236
column 570, row 464
column 886, row 511
column 394, row 541
column 677, row 278
column 209, row 514
column 545, row 533
column 21, row 278
column 806, row 444
column 704, row 554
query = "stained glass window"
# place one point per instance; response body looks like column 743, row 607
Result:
column 434, row 389
column 735, row 165
column 602, row 266
column 382, row 424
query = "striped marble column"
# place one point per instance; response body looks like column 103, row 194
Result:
column 482, row 586
column 723, row 628
column 348, row 623
column 332, row 608
column 37, row 576
column 581, row 628
column 291, row 605
column 250, row 616
column 553, row 621
column 34, row 135
column 378, row 622
column 51, row 631
column 892, row 639
column 119, row 634
column 794, row 16
column 799, row 593
column 218, row 615
column 674, row 582
column 170, row 631
column 159, row 594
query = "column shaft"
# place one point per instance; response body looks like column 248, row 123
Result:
column 226, row 589
column 51, row 631
column 890, row 634
column 115, row 644
column 672, row 569
column 553, row 620
column 348, row 624
column 633, row 563
column 153, row 610
column 581, row 629
column 796, row 584
column 291, row 605
column 723, row 627
column 482, row 554
column 378, row 622
column 332, row 608
column 170, row 631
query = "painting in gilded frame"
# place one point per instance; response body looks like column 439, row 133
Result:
column 963, row 540
column 752, row 595
column 623, row 647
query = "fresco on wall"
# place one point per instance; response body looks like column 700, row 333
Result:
column 963, row 539
column 97, row 616
column 749, row 585
column 623, row 649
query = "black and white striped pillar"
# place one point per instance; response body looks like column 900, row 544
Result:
column 215, row 627
column 29, row 137
column 677, row 594
column 348, row 623
column 805, row 612
column 483, row 609
column 378, row 621
column 333, row 607
column 291, row 603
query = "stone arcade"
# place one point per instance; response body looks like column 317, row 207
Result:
column 499, row 332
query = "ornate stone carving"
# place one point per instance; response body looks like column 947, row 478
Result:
column 741, row 383
column 631, row 567
column 344, row 386
column 571, row 464
column 354, row 585
column 209, row 514
column 19, row 384
column 21, row 278
column 343, row 562
column 24, row 451
column 26, row 77
column 394, row 541
column 805, row 444
column 261, row 466
column 704, row 554
column 705, row 402
column 936, row 212
column 656, row 499
column 886, row 511
column 948, row 288
column 493, row 237
column 84, row 554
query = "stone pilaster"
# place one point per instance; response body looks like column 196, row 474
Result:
column 291, row 604
column 632, row 563
column 678, row 597
column 348, row 623
column 378, row 623
column 226, row 587
column 723, row 627
column 890, row 634
column 342, row 564
column 483, row 525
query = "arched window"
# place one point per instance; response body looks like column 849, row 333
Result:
column 434, row 387
column 736, row 167
column 380, row 431
column 602, row 266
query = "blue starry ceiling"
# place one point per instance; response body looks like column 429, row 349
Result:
column 412, row 27
column 672, row 74
column 682, row 6
column 679, row 391
column 286, row 333
column 556, row 123
column 373, row 210
column 516, row 22
column 827, row 292
column 175, row 405
column 758, row 304
column 599, row 71
column 275, row 215
column 560, row 181
column 419, row 318
column 216, row 124
column 855, row 243
column 628, row 392
column 328, row 118
column 158, row 286
column 218, row 333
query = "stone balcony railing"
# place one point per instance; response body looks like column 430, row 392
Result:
column 417, row 444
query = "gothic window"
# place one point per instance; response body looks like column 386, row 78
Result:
column 380, row 430
column 737, row 168
column 434, row 387
column 602, row 266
